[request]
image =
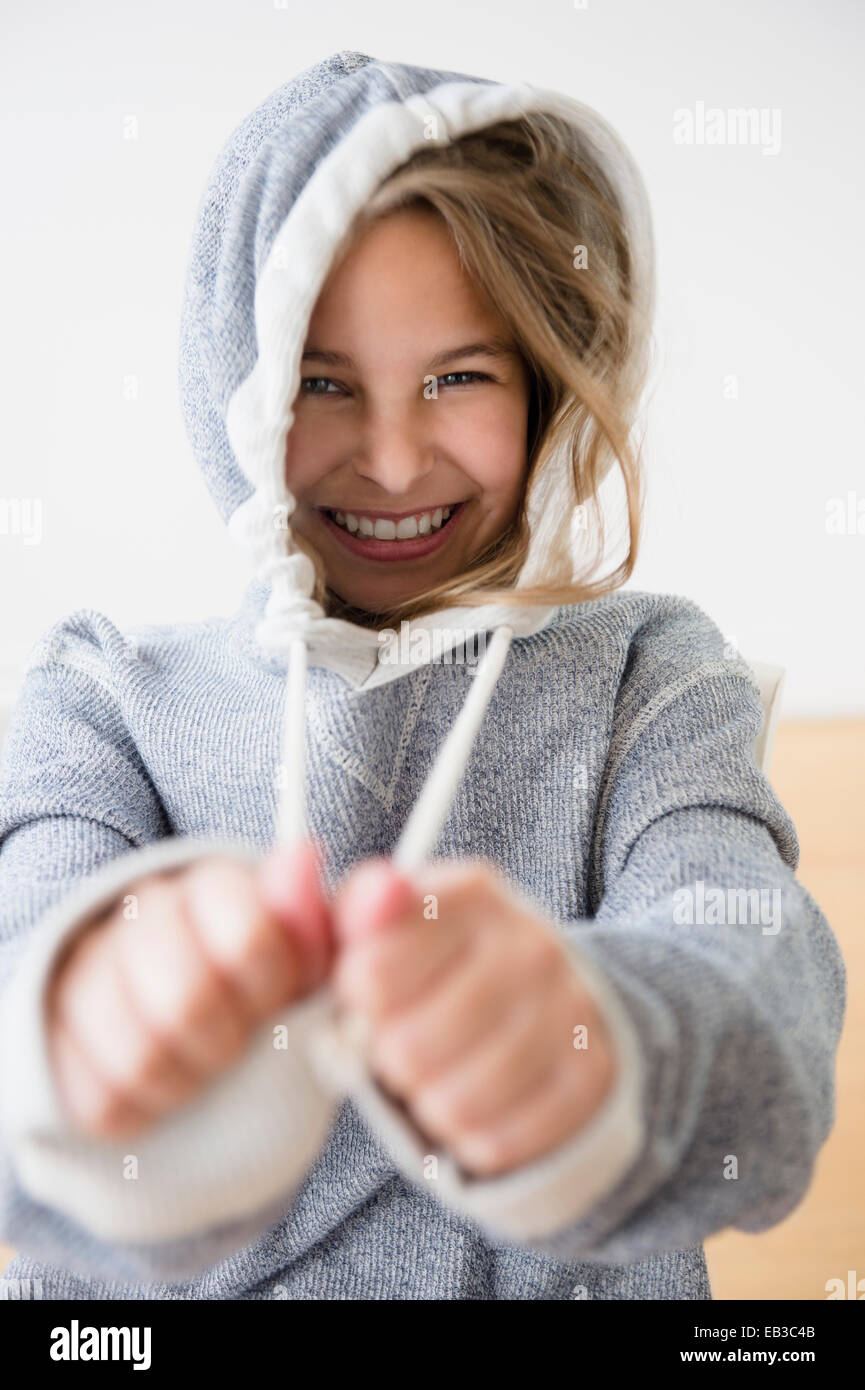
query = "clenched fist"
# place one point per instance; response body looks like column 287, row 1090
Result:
column 471, row 1005
column 142, row 1012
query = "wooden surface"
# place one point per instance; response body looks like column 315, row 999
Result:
column 818, row 771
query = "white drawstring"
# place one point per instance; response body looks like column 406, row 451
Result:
column 291, row 825
column 290, row 617
column 341, row 1039
column 428, row 813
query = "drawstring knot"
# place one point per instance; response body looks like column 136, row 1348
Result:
column 290, row 611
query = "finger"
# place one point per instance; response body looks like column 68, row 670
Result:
column 374, row 897
column 461, row 1008
column 388, row 973
column 96, row 1009
column 184, row 1000
column 553, row 1114
column 502, row 1071
column 91, row 1105
column 291, row 890
column 239, row 938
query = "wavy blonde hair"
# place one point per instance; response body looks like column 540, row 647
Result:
column 516, row 198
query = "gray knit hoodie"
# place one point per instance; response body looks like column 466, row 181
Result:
column 601, row 756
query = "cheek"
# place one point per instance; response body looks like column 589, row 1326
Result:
column 305, row 458
column 492, row 450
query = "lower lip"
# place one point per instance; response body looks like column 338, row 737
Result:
column 372, row 549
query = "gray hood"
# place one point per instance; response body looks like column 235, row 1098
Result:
column 280, row 197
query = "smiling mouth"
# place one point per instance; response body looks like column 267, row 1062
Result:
column 377, row 537
column 385, row 527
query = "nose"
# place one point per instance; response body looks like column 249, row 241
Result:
column 395, row 454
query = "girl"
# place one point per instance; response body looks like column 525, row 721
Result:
column 285, row 1016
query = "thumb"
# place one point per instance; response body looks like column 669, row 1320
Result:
column 291, row 889
column 375, row 896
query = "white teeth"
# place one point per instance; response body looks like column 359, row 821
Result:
column 384, row 529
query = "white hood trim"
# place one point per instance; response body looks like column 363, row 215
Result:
column 260, row 412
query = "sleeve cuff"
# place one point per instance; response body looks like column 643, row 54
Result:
column 250, row 1135
column 538, row 1199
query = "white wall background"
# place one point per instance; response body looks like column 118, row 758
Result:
column 760, row 279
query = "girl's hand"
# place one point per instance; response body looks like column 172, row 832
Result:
column 473, row 1008
column 144, row 1010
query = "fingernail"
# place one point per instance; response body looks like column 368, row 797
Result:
column 285, row 872
column 374, row 897
column 293, row 892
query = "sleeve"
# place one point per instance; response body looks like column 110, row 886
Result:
column 80, row 821
column 537, row 1198
column 720, row 977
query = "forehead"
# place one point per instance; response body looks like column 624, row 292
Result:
column 403, row 272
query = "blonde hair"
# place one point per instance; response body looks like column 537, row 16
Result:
column 516, row 198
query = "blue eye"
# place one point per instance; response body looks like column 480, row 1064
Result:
column 473, row 376
column 449, row 379
column 307, row 380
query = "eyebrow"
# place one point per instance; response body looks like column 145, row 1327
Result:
column 493, row 347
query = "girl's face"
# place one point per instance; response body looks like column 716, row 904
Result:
column 421, row 404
